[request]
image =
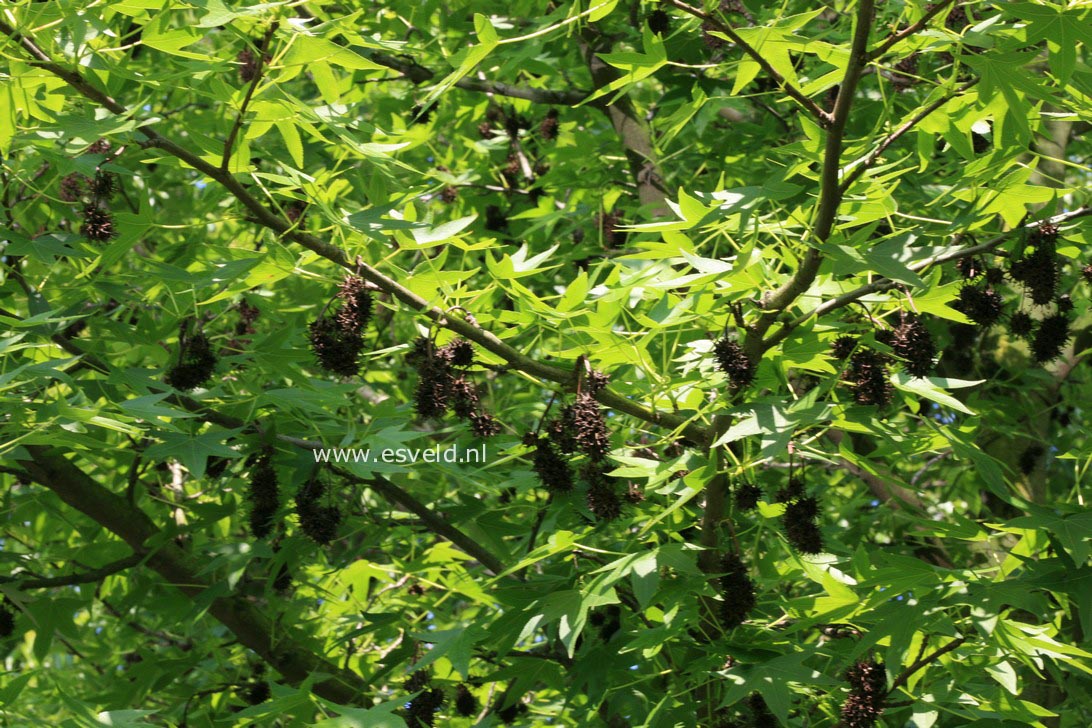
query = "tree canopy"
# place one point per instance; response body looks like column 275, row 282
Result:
column 607, row 363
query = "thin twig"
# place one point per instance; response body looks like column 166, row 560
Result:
column 905, row 33
column 83, row 577
column 259, row 72
column 922, row 662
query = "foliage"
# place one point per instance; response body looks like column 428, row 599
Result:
column 771, row 320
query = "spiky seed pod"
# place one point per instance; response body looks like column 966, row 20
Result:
column 264, row 494
column 970, row 268
column 1065, row 303
column 800, row 528
column 612, row 236
column 449, row 194
column 466, row 704
column 356, row 305
column 102, row 146
column 1086, row 272
column 7, row 620
column 734, row 362
column 561, row 431
column 296, row 212
column 1029, row 458
column 435, row 386
column 73, row 187
column 1050, row 338
column 603, row 501
column 465, row 400
column 319, row 523
column 981, row 305
column 547, row 129
column 659, row 22
column 103, row 186
column 196, row 363
column 483, row 424
column 509, row 715
column 1044, row 232
column 843, row 346
column 1021, row 324
column 747, row 496
column 595, row 382
column 914, row 345
column 794, row 489
column 256, row 692
column 248, row 314
column 336, row 350
column 553, row 471
column 98, row 223
column 869, row 376
column 248, row 65
column 282, row 580
column 1039, row 273
column 995, row 276
column 868, row 689
column 738, row 591
column 459, row 352
column 496, row 219
column 589, row 427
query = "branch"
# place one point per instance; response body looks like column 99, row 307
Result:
column 919, row 664
column 417, row 73
column 890, row 139
column 267, row 218
column 259, row 71
column 830, row 192
column 85, row 577
column 180, row 569
column 883, row 284
column 813, row 108
column 905, row 33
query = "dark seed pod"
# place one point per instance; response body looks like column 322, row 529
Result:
column 73, row 187
column 486, row 131
column 248, row 65
column 319, row 522
column 603, row 500
column 264, row 494
column 496, row 219
column 659, row 22
column 957, row 19
column 634, row 494
column 196, row 363
column 843, row 346
column 800, row 527
column 561, row 431
column 484, row 424
column 421, row 114
column 257, row 692
column 589, row 428
column 422, row 708
column 868, row 374
column 913, row 344
column 1021, row 324
column 995, row 276
column 336, row 350
column 466, row 704
column 435, row 387
column 970, row 268
column 1045, row 232
column 738, row 591
column 793, row 490
column 101, row 146
column 1086, row 272
column 1029, row 458
column 98, row 224
column 1039, row 273
column 747, row 496
column 356, row 306
column 465, row 400
column 1050, row 338
column 7, row 620
column 868, row 690
column 734, row 362
column 459, row 352
column 103, row 186
column 609, row 228
column 981, row 305
column 296, row 211
column 547, row 130
column 552, row 469
column 509, row 714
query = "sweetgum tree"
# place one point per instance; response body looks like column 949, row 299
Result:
column 771, row 320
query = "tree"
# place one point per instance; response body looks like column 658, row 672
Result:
column 769, row 321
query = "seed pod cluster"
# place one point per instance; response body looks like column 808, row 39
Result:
column 738, row 592
column 249, row 65
column 442, row 386
column 509, row 714
column 843, row 346
column 868, row 374
column 256, row 692
column 980, row 304
column 1086, row 273
column 603, row 498
column 337, row 339
column 801, row 527
column 196, row 360
column 734, row 362
column 319, row 521
column 98, row 223
column 868, row 689
column 747, row 496
column 553, row 470
column 264, row 494
column 1050, row 337
column 913, row 343
column 421, row 710
column 1038, row 269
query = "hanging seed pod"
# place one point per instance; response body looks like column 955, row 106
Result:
column 264, row 494
column 1029, row 458
column 466, row 704
column 356, row 305
column 843, row 346
column 196, row 361
column 336, row 350
column 98, row 223
column 981, row 305
column 734, row 362
column 603, row 498
column 319, row 522
column 589, row 428
column 747, row 496
column 868, row 374
column 913, row 343
column 659, row 22
column 547, row 130
column 1050, row 338
column 801, row 530
column 738, row 592
column 73, row 186
column 553, row 471
column 868, row 691
column 1021, row 324
column 257, row 692
column 7, row 620
column 970, row 268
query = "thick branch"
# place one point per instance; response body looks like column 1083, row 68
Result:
column 83, row 577
column 813, row 108
column 830, row 192
column 267, row 218
column 180, row 569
